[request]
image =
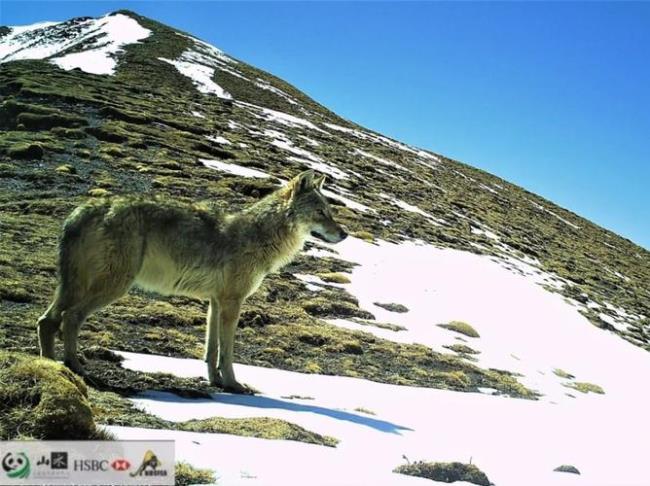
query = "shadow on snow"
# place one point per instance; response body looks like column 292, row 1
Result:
column 262, row 402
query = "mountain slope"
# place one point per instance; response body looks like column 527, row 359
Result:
column 477, row 209
column 122, row 104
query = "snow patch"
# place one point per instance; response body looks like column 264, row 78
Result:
column 101, row 41
column 488, row 188
column 219, row 139
column 200, row 74
column 412, row 209
column 372, row 137
column 509, row 308
column 485, row 232
column 381, row 160
column 509, row 439
column 288, row 120
column 234, row 169
column 209, row 51
column 320, row 167
column 199, row 63
column 542, row 208
column 347, row 201
column 304, row 157
column 310, row 141
column 260, row 83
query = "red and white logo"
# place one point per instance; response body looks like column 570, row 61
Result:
column 120, row 464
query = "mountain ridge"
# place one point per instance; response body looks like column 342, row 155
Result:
column 461, row 308
column 351, row 123
column 311, row 124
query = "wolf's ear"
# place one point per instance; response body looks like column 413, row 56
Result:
column 320, row 182
column 301, row 183
column 304, row 181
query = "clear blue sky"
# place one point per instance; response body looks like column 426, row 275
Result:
column 554, row 97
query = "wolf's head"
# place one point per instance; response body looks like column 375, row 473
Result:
column 311, row 209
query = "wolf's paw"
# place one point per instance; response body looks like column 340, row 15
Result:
column 236, row 387
column 216, row 381
column 214, row 377
column 48, row 352
column 75, row 365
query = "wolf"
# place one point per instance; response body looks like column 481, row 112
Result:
column 171, row 248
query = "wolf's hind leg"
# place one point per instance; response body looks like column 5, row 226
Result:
column 212, row 343
column 101, row 271
column 105, row 292
column 102, row 291
column 48, row 325
column 72, row 320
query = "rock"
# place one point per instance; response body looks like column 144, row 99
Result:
column 26, row 151
column 567, row 468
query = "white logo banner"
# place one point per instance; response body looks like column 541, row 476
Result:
column 89, row 462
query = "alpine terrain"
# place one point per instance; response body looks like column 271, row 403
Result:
column 466, row 330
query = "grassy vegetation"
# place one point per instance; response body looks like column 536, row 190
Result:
column 563, row 374
column 364, row 410
column 462, row 349
column 41, row 399
column 580, row 386
column 585, row 387
column 263, row 427
column 364, row 235
column 380, row 325
column 392, row 307
column 334, row 277
column 185, row 474
column 462, row 328
column 445, row 472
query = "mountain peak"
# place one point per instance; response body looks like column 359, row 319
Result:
column 129, row 85
column 130, row 46
column 84, row 43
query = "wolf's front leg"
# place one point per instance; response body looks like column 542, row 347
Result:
column 227, row 326
column 212, row 343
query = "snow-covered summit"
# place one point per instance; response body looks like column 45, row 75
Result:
column 91, row 45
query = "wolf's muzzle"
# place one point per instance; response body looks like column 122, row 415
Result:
column 330, row 238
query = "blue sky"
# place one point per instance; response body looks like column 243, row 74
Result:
column 554, row 97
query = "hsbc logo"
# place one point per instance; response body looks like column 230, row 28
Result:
column 90, row 465
column 120, row 464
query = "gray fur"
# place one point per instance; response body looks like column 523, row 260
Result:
column 178, row 249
